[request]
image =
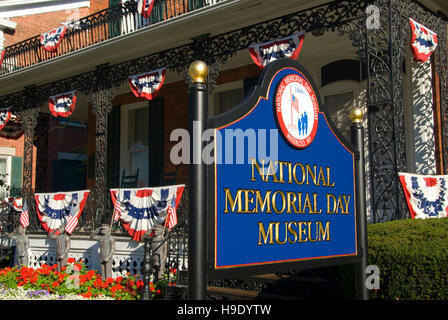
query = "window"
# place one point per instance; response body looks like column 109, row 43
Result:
column 225, row 97
column 138, row 143
column 338, row 106
column 342, row 88
column 134, row 142
column 10, row 171
column 4, row 176
column 346, row 69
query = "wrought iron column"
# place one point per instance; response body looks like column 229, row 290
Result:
column 101, row 101
column 384, row 54
column 42, row 152
column 29, row 117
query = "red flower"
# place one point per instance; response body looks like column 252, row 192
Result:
column 118, row 279
column 77, row 267
column 71, row 260
column 98, row 283
column 56, row 284
column 140, row 284
column 87, row 295
column 116, row 287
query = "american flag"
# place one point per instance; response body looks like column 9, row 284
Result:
column 72, row 220
column 294, row 102
column 117, row 210
column 24, row 216
column 172, row 215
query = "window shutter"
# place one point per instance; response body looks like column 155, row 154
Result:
column 156, row 155
column 16, row 175
column 114, row 24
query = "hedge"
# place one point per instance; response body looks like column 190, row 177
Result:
column 412, row 256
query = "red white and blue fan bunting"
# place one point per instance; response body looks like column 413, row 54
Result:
column 51, row 40
column 2, row 56
column 15, row 203
column 144, row 7
column 141, row 209
column 146, row 85
column 61, row 208
column 264, row 53
column 426, row 195
column 62, row 105
column 5, row 115
column 423, row 42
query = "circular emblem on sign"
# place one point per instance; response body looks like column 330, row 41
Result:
column 296, row 110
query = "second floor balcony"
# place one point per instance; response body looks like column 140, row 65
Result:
column 96, row 28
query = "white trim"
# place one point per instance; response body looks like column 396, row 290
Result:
column 9, row 9
column 7, row 151
column 8, row 168
column 7, row 24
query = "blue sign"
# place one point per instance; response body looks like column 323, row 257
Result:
column 284, row 182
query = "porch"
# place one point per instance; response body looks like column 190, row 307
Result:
column 385, row 83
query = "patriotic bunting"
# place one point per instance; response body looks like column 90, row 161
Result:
column 142, row 208
column 144, row 7
column 14, row 203
column 264, row 53
column 5, row 115
column 62, row 105
column 2, row 56
column 17, row 204
column 423, row 42
column 146, row 85
column 62, row 208
column 24, row 216
column 426, row 195
column 51, row 40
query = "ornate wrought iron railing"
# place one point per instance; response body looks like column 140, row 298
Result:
column 106, row 24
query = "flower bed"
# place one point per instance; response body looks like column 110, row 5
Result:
column 73, row 282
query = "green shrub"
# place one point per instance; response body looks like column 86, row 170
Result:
column 412, row 256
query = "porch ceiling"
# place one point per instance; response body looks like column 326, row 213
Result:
column 178, row 31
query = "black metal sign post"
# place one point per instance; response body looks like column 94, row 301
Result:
column 197, row 219
column 357, row 139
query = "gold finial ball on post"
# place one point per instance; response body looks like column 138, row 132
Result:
column 356, row 115
column 198, row 71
